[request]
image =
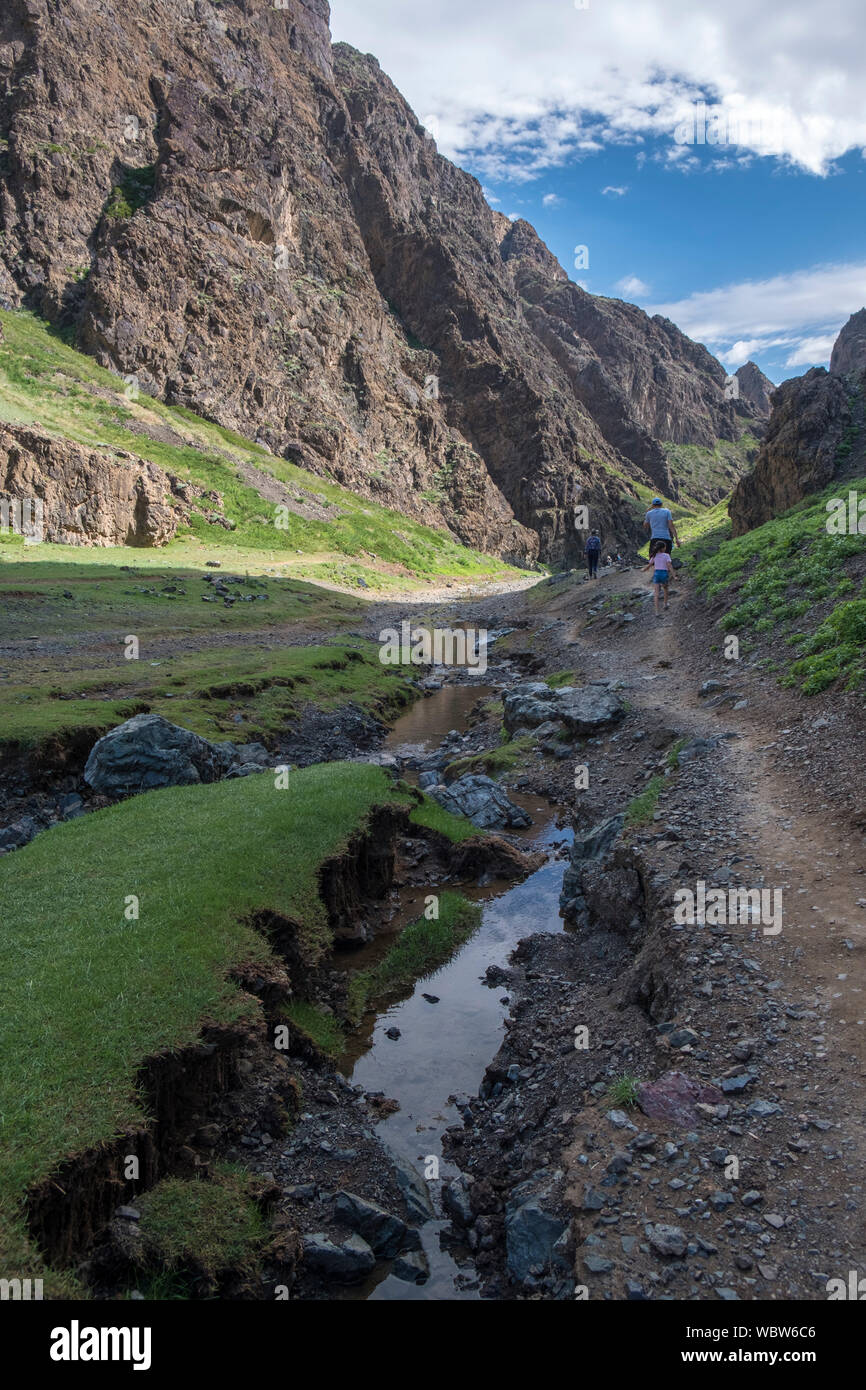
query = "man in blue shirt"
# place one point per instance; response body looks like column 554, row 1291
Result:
column 660, row 524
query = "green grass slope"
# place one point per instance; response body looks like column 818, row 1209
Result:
column 792, row 592
column 88, row 995
column 45, row 382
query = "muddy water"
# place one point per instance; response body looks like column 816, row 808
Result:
column 444, row 1047
column 424, row 726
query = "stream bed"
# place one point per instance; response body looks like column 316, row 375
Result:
column 445, row 1047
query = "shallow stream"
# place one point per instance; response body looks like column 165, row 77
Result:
column 445, row 1047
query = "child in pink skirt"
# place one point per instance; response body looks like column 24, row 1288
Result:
column 663, row 572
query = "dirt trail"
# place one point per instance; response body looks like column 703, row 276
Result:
column 788, row 825
column 752, row 812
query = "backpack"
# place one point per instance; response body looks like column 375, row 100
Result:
column 593, row 545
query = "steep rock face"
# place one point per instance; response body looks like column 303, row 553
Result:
column 815, row 434
column 643, row 381
column 90, row 497
column 255, row 225
column 849, row 349
column 755, row 388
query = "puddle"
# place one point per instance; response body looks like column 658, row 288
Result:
column 424, row 726
column 444, row 1048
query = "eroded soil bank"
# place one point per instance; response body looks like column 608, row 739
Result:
column 630, row 1107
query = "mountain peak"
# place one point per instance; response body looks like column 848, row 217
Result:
column 849, row 350
column 755, row 387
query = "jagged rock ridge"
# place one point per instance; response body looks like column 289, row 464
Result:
column 254, row 224
column 815, row 434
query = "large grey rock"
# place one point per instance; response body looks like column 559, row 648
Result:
column 593, row 847
column 413, row 1268
column 384, row 1233
column 589, row 708
column 411, row 1184
column 19, row 833
column 528, row 705
column 148, row 752
column 667, row 1240
column 483, row 801
column 455, row 1200
column 348, row 1263
column 535, row 1238
column 582, row 709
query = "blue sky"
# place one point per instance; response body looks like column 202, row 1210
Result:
column 581, row 118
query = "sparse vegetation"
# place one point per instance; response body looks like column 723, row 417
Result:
column 623, row 1091
column 640, row 810
column 421, row 948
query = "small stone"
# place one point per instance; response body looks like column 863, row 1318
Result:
column 667, row 1240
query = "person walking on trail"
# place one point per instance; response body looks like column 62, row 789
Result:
column 593, row 552
column 662, row 567
column 660, row 524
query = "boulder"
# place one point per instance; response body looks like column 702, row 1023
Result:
column 455, row 1200
column 675, row 1098
column 348, row 1263
column 586, row 709
column 18, row 834
column 667, row 1240
column 411, row 1184
column 385, row 1234
column 535, row 1238
column 148, row 752
column 528, row 706
column 412, row 1268
column 582, row 709
column 483, row 801
column 591, row 849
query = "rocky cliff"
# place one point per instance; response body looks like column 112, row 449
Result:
column 253, row 223
column 816, row 433
column 95, row 496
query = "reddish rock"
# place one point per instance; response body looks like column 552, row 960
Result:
column 674, row 1098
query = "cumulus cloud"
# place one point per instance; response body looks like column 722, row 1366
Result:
column 519, row 88
column 800, row 313
column 612, row 191
column 551, row 200
column 630, row 285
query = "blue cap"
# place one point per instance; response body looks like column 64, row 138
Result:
column 657, row 501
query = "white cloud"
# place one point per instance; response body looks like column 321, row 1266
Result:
column 810, row 350
column 615, row 192
column 522, row 87
column 551, row 200
column 800, row 312
column 630, row 285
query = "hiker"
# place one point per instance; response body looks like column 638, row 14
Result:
column 660, row 524
column 662, row 567
column 593, row 551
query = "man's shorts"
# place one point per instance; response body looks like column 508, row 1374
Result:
column 661, row 576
